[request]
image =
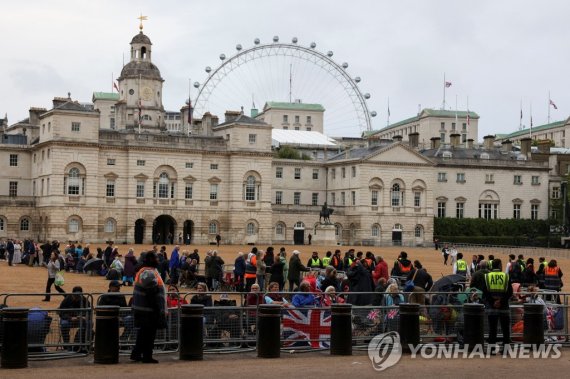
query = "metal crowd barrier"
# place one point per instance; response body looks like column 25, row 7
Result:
column 54, row 333
column 527, row 251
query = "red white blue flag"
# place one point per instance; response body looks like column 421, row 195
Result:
column 307, row 326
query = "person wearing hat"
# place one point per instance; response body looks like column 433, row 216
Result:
column 295, row 269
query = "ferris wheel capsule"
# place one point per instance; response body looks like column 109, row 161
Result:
column 357, row 79
column 222, row 56
column 330, row 53
column 275, row 38
column 345, row 65
column 196, row 85
column 313, row 45
column 238, row 47
column 256, row 41
column 373, row 114
column 367, row 96
column 294, row 40
column 208, row 69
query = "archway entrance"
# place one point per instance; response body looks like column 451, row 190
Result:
column 163, row 229
column 188, row 229
column 140, row 225
column 397, row 235
column 299, row 233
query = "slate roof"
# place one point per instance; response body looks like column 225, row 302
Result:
column 144, row 69
column 243, row 119
column 141, row 38
column 105, row 96
column 293, row 106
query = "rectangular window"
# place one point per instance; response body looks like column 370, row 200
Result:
column 110, row 192
column 279, row 172
column 75, row 126
column 213, row 192
column 285, row 119
column 489, row 178
column 112, row 122
column 309, row 120
column 333, row 173
column 297, row 198
column 279, row 197
column 459, row 209
column 252, row 138
column 516, row 211
column 417, row 199
column 354, row 171
column 315, row 199
column 141, row 162
column 488, row 211
column 309, row 129
column 297, row 119
column 443, row 126
column 342, row 199
column 110, row 162
column 297, row 173
column 534, row 212
column 464, row 126
column 441, row 209
column 315, row 173
column 460, row 177
column 442, row 137
column 554, row 214
column 140, row 188
column 374, row 198
column 353, row 197
column 555, row 192
column 535, row 181
column 13, row 189
column 14, row 160
column 517, row 179
column 333, row 198
column 453, row 126
column 442, row 177
column 464, row 138
column 188, row 191
column 297, row 128
column 343, row 172
column 213, row 166
column 189, row 165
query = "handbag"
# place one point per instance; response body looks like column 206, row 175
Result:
column 409, row 285
column 59, row 279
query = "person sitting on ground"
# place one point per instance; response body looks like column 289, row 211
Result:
column 304, row 298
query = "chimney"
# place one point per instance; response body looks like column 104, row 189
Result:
column 489, row 142
column 507, row 146
column 397, row 138
column 525, row 146
column 455, row 140
column 231, row 115
column 435, row 141
column 414, row 139
column 35, row 115
column 58, row 101
column 470, row 143
column 544, row 146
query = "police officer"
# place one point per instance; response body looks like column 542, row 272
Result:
column 460, row 266
column 496, row 295
column 315, row 262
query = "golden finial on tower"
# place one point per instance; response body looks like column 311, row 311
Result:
column 142, row 18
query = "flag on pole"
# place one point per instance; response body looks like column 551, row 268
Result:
column 115, row 86
column 140, row 112
column 447, row 84
column 531, row 121
column 553, row 105
column 190, row 110
column 467, row 118
column 521, row 115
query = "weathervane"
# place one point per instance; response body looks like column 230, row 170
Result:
column 142, row 18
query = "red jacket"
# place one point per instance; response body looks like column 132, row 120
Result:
column 380, row 271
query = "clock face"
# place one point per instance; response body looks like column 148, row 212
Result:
column 146, row 94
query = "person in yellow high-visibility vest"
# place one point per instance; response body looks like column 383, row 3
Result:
column 460, row 266
column 496, row 295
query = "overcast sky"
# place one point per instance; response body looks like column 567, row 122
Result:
column 496, row 53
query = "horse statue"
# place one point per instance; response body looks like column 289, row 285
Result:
column 325, row 215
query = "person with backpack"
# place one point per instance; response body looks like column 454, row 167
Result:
column 516, row 270
column 529, row 276
column 402, row 265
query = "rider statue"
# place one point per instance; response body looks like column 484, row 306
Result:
column 325, row 214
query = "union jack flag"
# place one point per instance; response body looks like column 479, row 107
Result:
column 307, row 326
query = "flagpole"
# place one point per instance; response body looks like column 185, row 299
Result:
column 456, row 124
column 520, row 121
column 443, row 105
column 112, row 81
column 548, row 107
column 530, row 130
column 388, row 113
column 140, row 104
column 189, row 104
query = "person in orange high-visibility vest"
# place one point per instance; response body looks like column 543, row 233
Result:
column 149, row 308
column 250, row 269
column 553, row 278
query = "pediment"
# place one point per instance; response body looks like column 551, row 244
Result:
column 398, row 153
column 141, row 176
column 214, row 179
column 189, row 178
column 111, row 175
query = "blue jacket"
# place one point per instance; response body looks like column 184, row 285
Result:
column 239, row 266
column 174, row 260
column 303, row 300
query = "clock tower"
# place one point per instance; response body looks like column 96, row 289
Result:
column 140, row 89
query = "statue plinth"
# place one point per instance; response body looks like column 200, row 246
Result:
column 325, row 234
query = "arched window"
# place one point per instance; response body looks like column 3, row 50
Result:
column 213, row 227
column 73, row 182
column 143, row 52
column 73, row 225
column 163, row 185
column 250, row 190
column 250, row 229
column 396, row 195
column 375, row 230
column 419, row 231
column 280, row 229
column 110, row 226
column 24, row 225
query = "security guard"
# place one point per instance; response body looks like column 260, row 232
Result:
column 327, row 259
column 496, row 295
column 315, row 262
column 460, row 266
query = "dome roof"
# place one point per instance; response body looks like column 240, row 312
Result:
column 141, row 38
column 145, row 69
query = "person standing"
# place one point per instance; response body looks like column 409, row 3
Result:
column 315, row 262
column 10, row 251
column 496, row 294
column 149, row 308
column 260, row 269
column 129, row 272
column 218, row 239
column 460, row 267
column 174, row 265
column 445, row 254
column 310, row 238
column 239, row 272
column 295, row 268
column 53, row 268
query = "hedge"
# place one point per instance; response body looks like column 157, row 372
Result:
column 502, row 240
